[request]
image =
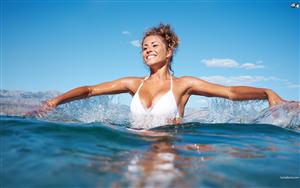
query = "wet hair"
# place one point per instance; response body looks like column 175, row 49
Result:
column 168, row 35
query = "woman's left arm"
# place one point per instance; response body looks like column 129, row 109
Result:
column 252, row 93
column 200, row 87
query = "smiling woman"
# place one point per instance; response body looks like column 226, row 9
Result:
column 160, row 98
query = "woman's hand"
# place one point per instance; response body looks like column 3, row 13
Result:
column 43, row 109
column 274, row 99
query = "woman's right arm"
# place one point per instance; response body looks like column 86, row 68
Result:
column 122, row 85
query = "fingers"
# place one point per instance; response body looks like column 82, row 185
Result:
column 42, row 111
column 295, row 104
column 36, row 113
column 276, row 101
column 286, row 105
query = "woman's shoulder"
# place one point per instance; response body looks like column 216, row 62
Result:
column 133, row 78
column 132, row 81
column 185, row 82
column 185, row 79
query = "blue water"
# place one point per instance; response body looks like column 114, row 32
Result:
column 39, row 153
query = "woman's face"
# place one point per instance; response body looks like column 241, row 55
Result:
column 155, row 51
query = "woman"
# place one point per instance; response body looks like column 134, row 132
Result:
column 160, row 98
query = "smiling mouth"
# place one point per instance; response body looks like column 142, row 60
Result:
column 150, row 57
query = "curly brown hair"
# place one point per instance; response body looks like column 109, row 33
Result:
column 168, row 35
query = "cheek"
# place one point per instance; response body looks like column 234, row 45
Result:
column 164, row 52
column 143, row 54
column 160, row 51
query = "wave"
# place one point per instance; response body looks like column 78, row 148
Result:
column 100, row 151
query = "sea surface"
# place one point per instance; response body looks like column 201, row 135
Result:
column 37, row 153
column 87, row 145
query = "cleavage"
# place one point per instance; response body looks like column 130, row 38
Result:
column 156, row 97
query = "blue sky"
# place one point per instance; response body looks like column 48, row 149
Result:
column 59, row 45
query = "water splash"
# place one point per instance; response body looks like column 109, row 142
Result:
column 218, row 111
column 111, row 109
column 226, row 111
column 257, row 111
column 96, row 109
column 286, row 115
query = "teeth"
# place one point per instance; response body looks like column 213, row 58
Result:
column 150, row 56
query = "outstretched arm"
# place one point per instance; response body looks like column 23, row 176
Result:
column 122, row 85
column 204, row 88
column 252, row 93
column 114, row 87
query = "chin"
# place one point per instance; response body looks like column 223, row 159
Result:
column 149, row 63
column 152, row 64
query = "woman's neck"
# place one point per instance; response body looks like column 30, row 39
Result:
column 161, row 73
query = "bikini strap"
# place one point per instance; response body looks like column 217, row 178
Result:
column 142, row 84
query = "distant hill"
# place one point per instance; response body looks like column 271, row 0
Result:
column 14, row 102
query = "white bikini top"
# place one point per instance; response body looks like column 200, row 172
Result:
column 160, row 113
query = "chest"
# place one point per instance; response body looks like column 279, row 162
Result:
column 151, row 93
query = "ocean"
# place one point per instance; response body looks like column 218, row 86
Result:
column 58, row 150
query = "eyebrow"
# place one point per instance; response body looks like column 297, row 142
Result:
column 151, row 43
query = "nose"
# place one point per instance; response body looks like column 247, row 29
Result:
column 149, row 50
